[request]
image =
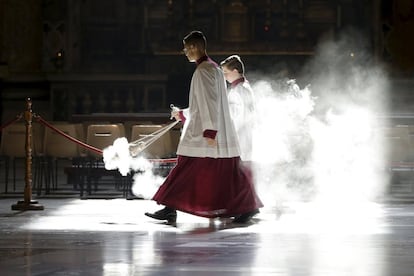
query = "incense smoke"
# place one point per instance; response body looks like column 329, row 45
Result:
column 321, row 142
column 118, row 156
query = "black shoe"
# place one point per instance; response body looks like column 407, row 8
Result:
column 167, row 214
column 245, row 218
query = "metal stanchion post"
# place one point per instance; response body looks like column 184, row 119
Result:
column 28, row 203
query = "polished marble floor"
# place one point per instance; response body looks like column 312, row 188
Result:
column 113, row 237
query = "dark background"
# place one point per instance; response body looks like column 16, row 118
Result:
column 124, row 56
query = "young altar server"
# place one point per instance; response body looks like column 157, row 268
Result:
column 241, row 103
column 208, row 180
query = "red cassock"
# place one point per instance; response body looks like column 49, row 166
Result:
column 208, row 180
column 209, row 187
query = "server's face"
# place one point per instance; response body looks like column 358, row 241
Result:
column 189, row 52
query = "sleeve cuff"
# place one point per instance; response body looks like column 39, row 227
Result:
column 209, row 133
column 182, row 117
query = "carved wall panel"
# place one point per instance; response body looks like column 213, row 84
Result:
column 81, row 94
column 3, row 45
column 22, row 35
column 130, row 37
column 120, row 36
column 55, row 34
column 248, row 26
column 398, row 30
column 111, row 35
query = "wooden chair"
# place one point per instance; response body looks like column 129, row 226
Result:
column 157, row 149
column 103, row 135
column 100, row 136
column 58, row 148
column 13, row 148
column 164, row 147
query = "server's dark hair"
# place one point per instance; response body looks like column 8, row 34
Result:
column 196, row 38
column 234, row 62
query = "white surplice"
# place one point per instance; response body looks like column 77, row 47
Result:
column 242, row 110
column 208, row 110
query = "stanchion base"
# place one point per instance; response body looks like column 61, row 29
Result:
column 22, row 205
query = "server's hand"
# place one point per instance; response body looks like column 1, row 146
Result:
column 211, row 142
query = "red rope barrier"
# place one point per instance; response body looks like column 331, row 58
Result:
column 99, row 151
column 89, row 147
column 169, row 160
column 18, row 117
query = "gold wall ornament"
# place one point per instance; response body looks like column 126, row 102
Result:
column 235, row 22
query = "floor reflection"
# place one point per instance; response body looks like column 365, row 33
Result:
column 101, row 237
